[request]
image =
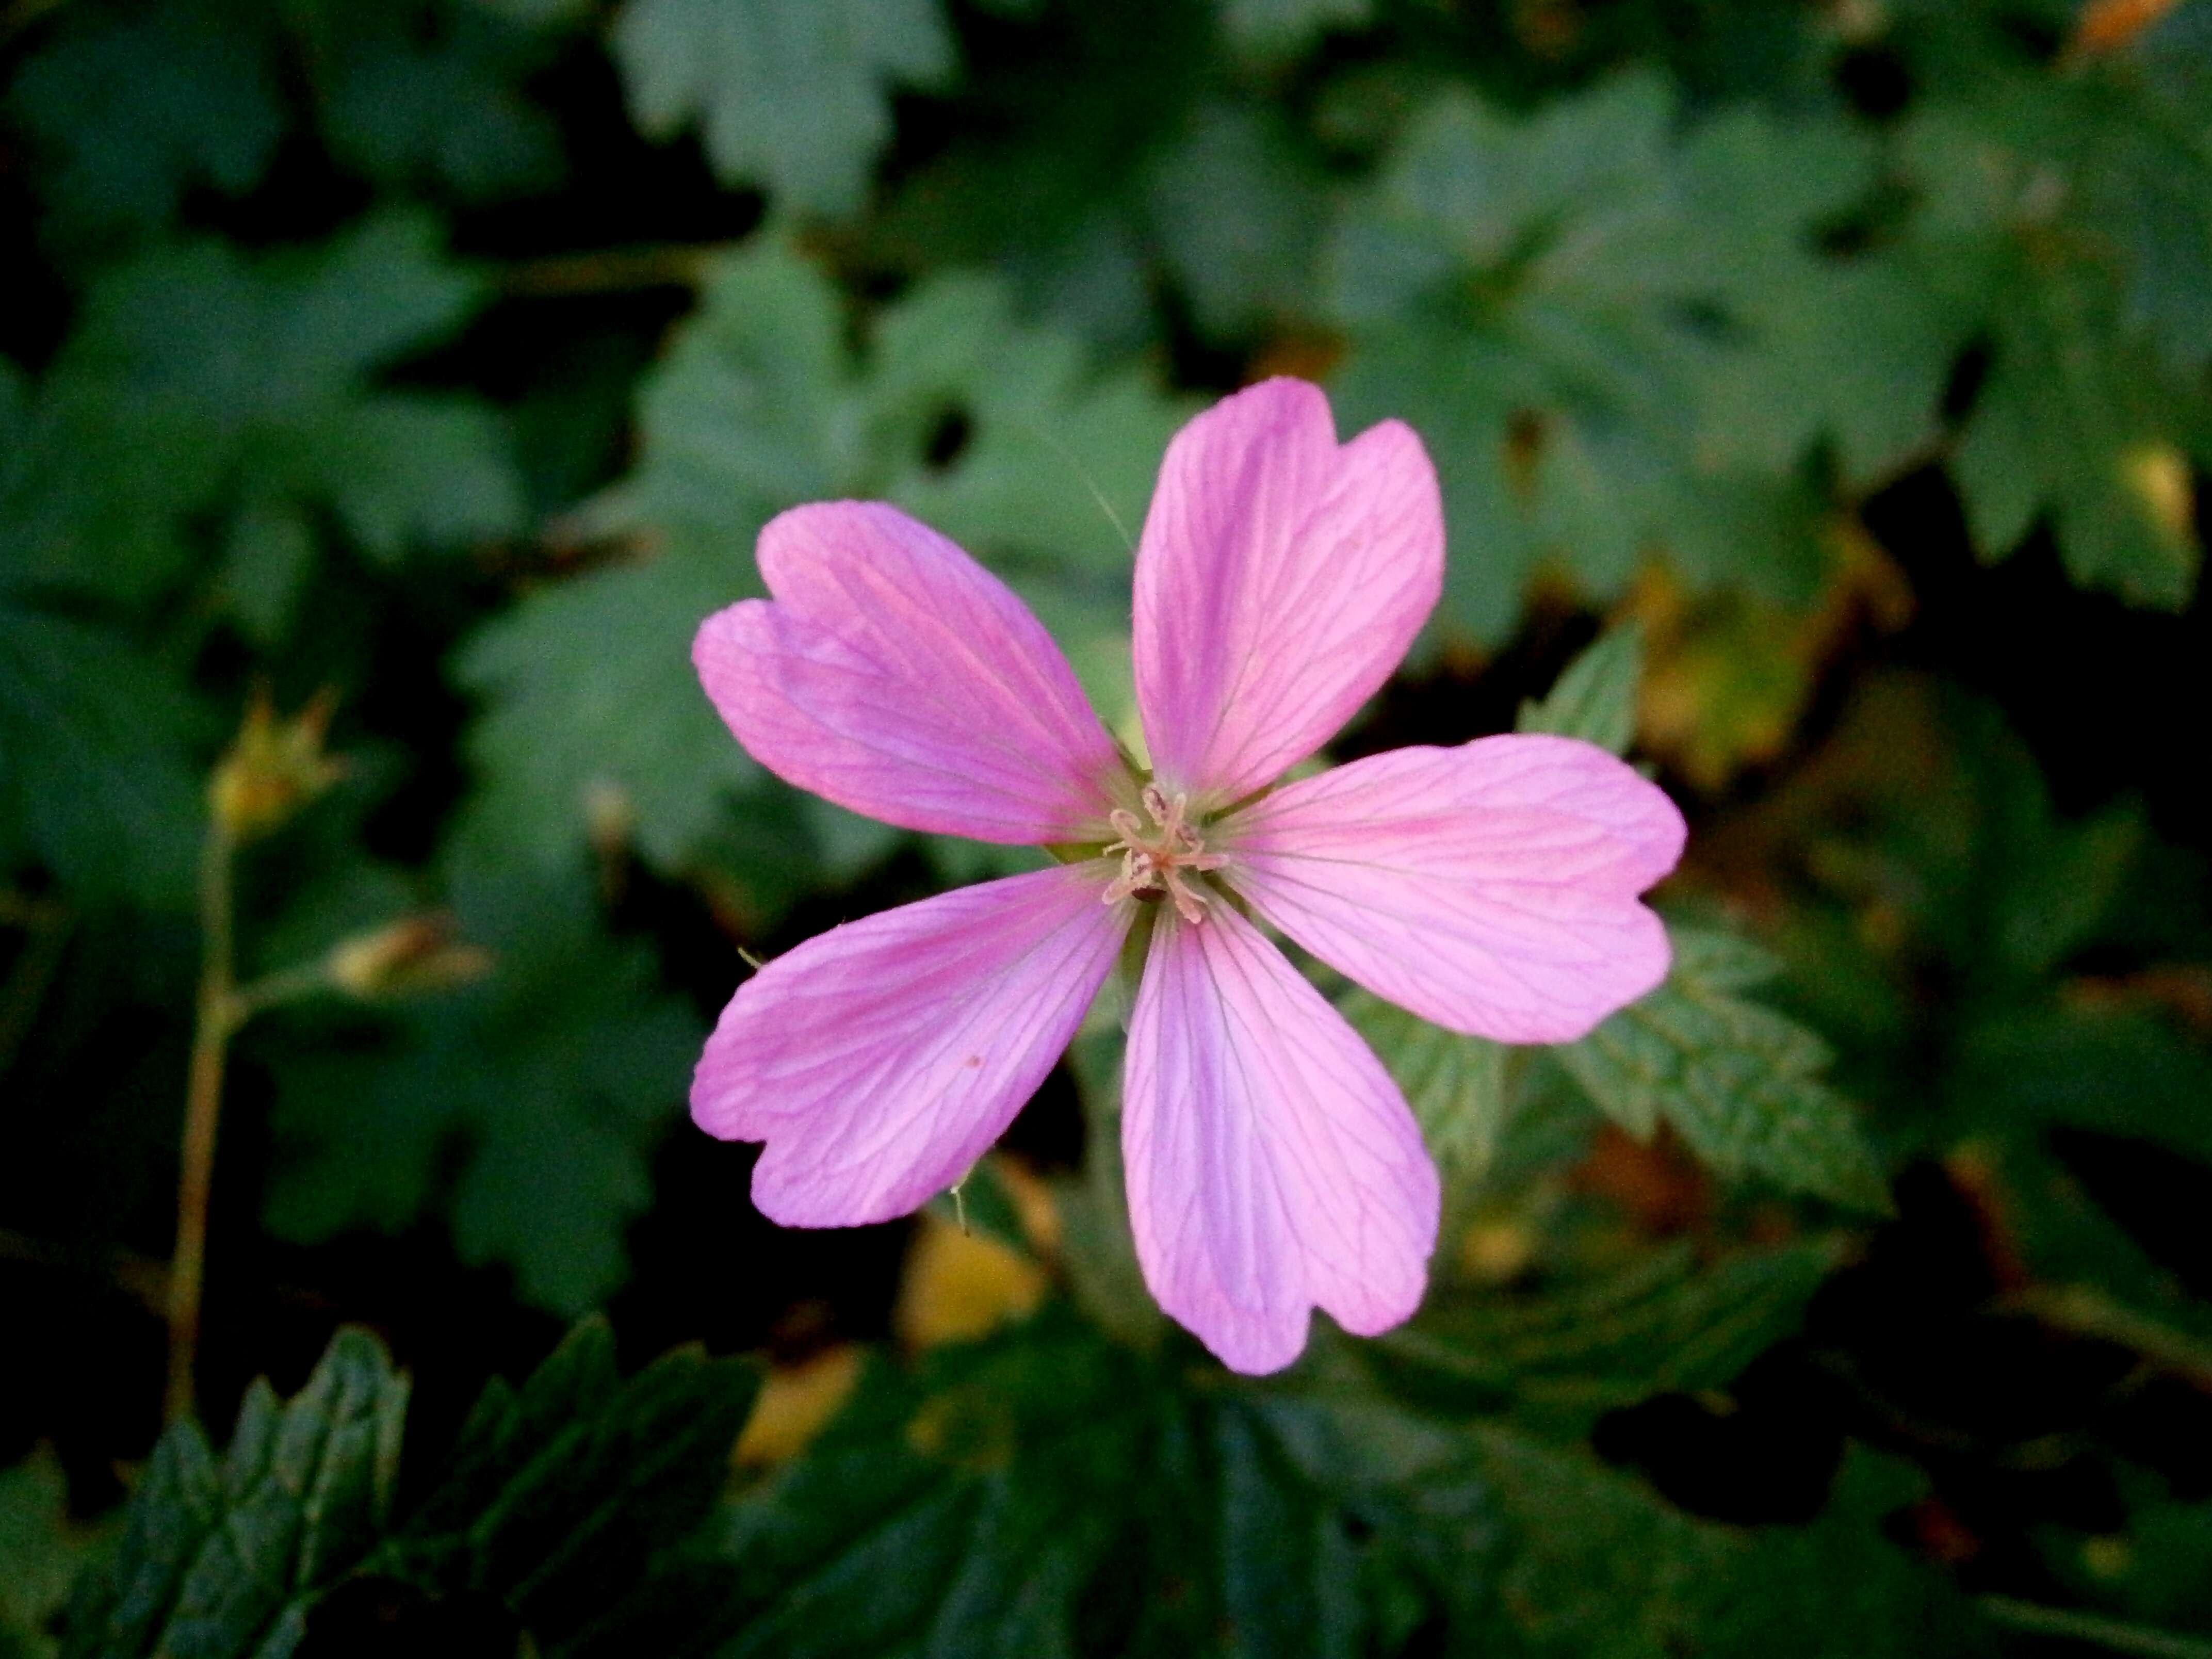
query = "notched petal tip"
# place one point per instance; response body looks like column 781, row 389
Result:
column 879, row 1060
column 894, row 675
column 1280, row 579
column 1274, row 1167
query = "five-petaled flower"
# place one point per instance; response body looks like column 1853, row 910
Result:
column 1272, row 1166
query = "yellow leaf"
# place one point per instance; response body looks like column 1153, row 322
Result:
column 795, row 1404
column 961, row 1285
column 2158, row 475
column 2108, row 25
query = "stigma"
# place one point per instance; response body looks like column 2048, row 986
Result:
column 1158, row 861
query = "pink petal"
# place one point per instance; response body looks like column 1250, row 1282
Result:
column 1272, row 1164
column 881, row 1060
column 898, row 678
column 1280, row 581
column 1490, row 888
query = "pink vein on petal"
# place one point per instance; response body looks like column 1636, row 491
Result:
column 1490, row 888
column 882, row 1059
column 1272, row 1166
column 894, row 675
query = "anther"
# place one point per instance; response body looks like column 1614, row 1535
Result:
column 1156, row 863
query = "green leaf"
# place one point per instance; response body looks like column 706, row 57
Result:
column 1239, row 217
column 267, row 558
column 2117, row 1070
column 1048, row 1490
column 1594, row 699
column 1600, row 1566
column 1839, row 1588
column 1051, row 484
column 1103, row 1269
column 2079, row 419
column 2066, row 423
column 1596, row 1566
column 560, row 1499
column 1455, row 1084
column 1282, row 27
column 760, row 404
column 2168, row 1543
column 593, row 715
column 39, row 1554
column 1558, row 1359
column 1739, row 1083
column 1856, row 350
column 154, row 418
column 528, row 1104
column 95, row 783
column 412, row 94
column 971, row 1508
column 747, row 411
column 1551, row 300
column 129, row 110
column 2091, row 1276
column 1533, row 1548
column 403, row 470
column 217, row 1560
column 1858, row 353
column 790, row 94
column 2154, row 176
column 1070, row 170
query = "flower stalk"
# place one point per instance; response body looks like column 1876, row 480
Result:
column 274, row 766
column 216, row 1019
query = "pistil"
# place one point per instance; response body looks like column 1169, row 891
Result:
column 1159, row 861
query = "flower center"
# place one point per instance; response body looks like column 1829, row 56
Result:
column 1155, row 863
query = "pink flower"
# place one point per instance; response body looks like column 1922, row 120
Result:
column 1272, row 1164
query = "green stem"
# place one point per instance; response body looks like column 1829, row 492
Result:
column 614, row 270
column 2088, row 1312
column 273, row 990
column 216, row 1017
column 2115, row 1634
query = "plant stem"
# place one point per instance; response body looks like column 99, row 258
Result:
column 2087, row 1312
column 274, row 990
column 2114, row 1634
column 216, row 1018
column 614, row 270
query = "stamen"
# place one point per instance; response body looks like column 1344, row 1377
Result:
column 1157, row 863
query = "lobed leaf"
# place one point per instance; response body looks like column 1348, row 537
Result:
column 791, row 95
column 223, row 1558
column 1545, row 297
column 2083, row 419
column 1557, row 1358
column 529, row 1103
column 986, row 1503
column 1737, row 1082
column 127, row 112
column 759, row 405
column 561, row 1500
column 561, row 1497
column 1455, row 1085
column 200, row 384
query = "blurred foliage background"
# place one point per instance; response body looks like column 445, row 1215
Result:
column 1820, row 395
